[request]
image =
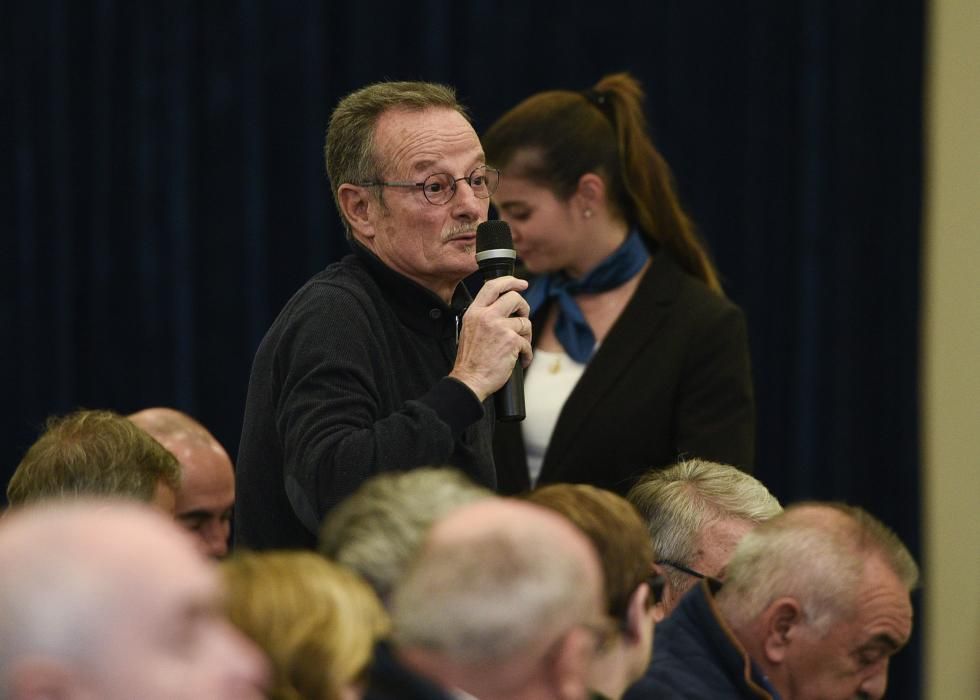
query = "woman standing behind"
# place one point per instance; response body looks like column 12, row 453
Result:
column 639, row 357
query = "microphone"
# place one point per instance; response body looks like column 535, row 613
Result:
column 495, row 255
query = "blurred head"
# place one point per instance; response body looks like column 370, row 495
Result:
column 382, row 140
column 504, row 601
column 567, row 155
column 620, row 537
column 377, row 530
column 696, row 513
column 316, row 621
column 110, row 600
column 206, row 495
column 95, row 453
column 819, row 597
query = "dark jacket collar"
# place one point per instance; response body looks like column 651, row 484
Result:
column 417, row 307
column 700, row 609
column 389, row 679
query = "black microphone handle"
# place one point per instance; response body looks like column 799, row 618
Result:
column 508, row 400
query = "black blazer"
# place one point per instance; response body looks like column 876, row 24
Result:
column 671, row 379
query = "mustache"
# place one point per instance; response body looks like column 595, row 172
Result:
column 457, row 231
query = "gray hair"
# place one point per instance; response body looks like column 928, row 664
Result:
column 51, row 604
column 349, row 150
column 379, row 528
column 59, row 576
column 492, row 597
column 679, row 502
column 816, row 554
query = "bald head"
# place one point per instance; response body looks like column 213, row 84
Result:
column 112, row 598
column 497, row 585
column 504, row 515
column 206, row 495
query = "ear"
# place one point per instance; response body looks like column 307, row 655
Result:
column 40, row 678
column 660, row 609
column 591, row 192
column 356, row 203
column 569, row 665
column 780, row 622
column 639, row 618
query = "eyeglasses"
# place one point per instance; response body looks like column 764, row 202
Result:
column 656, row 584
column 439, row 188
column 682, row 568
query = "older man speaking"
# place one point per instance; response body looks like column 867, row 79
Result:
column 372, row 365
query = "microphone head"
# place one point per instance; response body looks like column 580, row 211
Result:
column 493, row 235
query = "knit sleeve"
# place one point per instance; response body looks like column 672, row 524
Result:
column 352, row 406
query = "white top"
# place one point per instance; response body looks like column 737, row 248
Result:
column 547, row 384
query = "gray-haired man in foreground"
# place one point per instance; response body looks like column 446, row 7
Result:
column 697, row 511
column 814, row 604
column 110, row 600
column 503, row 603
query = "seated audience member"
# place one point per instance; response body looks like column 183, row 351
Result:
column 316, row 621
column 620, row 537
column 95, row 453
column 378, row 529
column 696, row 512
column 815, row 603
column 207, row 486
column 503, row 602
column 110, row 600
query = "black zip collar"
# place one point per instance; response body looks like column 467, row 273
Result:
column 416, row 306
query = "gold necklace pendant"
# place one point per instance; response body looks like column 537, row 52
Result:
column 555, row 366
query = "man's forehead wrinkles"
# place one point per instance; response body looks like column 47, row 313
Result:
column 423, row 147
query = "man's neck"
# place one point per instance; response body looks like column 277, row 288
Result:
column 440, row 286
column 609, row 673
column 502, row 682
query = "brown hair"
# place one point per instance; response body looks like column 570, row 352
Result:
column 93, row 453
column 616, row 530
column 316, row 621
column 554, row 137
column 349, row 148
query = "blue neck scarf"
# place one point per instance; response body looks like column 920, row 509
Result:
column 571, row 328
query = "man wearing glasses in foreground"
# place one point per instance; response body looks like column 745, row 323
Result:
column 814, row 605
column 696, row 512
column 372, row 364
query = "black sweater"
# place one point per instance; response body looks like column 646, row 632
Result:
column 350, row 381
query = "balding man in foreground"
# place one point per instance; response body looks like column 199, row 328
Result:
column 815, row 603
column 110, row 600
column 206, row 495
column 505, row 601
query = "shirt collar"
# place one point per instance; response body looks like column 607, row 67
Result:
column 416, row 306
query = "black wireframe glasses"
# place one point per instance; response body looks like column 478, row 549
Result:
column 440, row 188
column 682, row 568
column 656, row 584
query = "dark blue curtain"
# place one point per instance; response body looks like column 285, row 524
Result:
column 162, row 194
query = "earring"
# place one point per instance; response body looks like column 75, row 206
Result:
column 587, row 213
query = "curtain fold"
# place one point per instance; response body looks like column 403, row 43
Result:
column 163, row 193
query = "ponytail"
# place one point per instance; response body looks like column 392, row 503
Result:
column 603, row 130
